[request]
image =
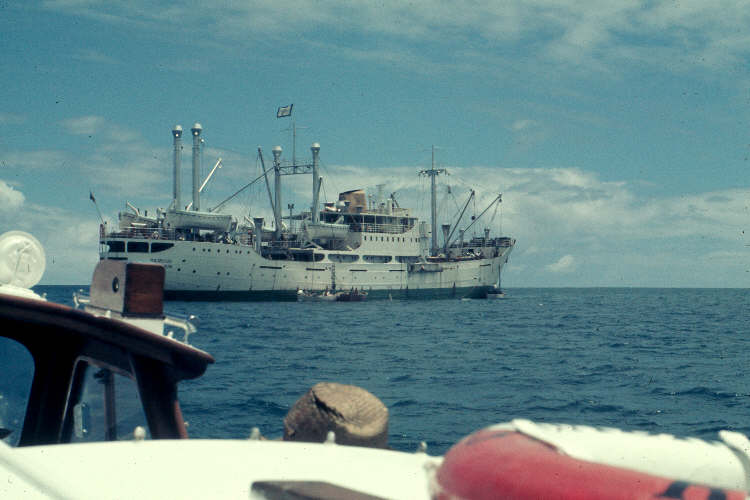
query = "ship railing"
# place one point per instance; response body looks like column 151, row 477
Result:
column 504, row 242
column 380, row 228
column 176, row 235
column 283, row 243
column 151, row 233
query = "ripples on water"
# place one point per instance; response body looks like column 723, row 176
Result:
column 660, row 360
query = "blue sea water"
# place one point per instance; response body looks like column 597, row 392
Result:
column 658, row 360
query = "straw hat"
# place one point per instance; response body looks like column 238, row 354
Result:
column 357, row 417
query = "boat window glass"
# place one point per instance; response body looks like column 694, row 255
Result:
column 116, row 246
column 407, row 259
column 318, row 257
column 90, row 416
column 160, row 247
column 376, row 259
column 15, row 386
column 137, row 246
column 343, row 257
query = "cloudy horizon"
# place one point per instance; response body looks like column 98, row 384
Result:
column 617, row 134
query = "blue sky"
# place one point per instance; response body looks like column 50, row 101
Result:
column 616, row 131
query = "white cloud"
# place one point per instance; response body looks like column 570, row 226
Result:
column 115, row 161
column 11, row 118
column 84, row 125
column 10, row 199
column 581, row 34
column 94, row 56
column 12, row 162
column 69, row 239
column 119, row 160
column 519, row 125
column 565, row 264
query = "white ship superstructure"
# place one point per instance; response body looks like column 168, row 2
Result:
column 379, row 248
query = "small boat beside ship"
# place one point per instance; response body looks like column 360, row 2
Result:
column 495, row 293
column 352, row 295
column 371, row 244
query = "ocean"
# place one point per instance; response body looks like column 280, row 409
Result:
column 656, row 360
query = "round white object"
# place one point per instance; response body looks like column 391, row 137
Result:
column 22, row 259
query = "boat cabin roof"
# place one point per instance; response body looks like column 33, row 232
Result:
column 77, row 365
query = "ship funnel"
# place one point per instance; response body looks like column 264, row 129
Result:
column 177, row 163
column 315, row 148
column 196, row 130
column 446, row 230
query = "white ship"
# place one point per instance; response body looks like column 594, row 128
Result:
column 376, row 247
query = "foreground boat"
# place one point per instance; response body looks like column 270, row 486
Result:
column 375, row 246
column 90, row 410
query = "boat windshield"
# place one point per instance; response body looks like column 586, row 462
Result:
column 109, row 407
column 15, row 387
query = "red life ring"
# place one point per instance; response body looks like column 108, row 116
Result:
column 495, row 463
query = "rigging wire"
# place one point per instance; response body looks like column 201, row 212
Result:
column 327, row 177
column 497, row 208
column 474, row 216
column 323, row 187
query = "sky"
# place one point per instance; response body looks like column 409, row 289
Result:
column 617, row 132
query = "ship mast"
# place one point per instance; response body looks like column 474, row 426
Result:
column 277, row 188
column 294, row 169
column 432, row 173
column 293, row 130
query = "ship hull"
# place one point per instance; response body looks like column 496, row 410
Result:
column 477, row 292
column 209, row 271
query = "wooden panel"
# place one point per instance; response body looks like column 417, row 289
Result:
column 144, row 293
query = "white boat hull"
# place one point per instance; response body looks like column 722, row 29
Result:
column 180, row 469
column 209, row 271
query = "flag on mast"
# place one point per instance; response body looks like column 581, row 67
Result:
column 284, row 111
